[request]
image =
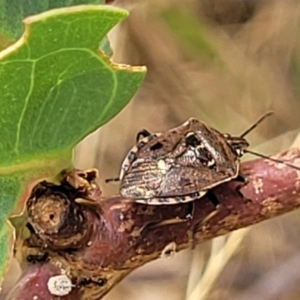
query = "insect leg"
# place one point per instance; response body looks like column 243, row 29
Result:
column 241, row 179
column 190, row 210
column 214, row 200
column 142, row 134
column 244, row 181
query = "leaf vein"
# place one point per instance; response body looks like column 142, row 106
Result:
column 21, row 119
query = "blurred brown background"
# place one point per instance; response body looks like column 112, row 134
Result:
column 225, row 62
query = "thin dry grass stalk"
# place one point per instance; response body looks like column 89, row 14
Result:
column 226, row 247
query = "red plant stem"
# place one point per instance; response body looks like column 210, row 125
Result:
column 129, row 235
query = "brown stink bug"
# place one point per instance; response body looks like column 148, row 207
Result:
column 182, row 164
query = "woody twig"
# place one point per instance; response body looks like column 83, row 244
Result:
column 119, row 235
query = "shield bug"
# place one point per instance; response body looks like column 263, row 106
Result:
column 182, row 164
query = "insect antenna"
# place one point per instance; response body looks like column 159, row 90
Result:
column 267, row 114
column 112, row 180
column 272, row 159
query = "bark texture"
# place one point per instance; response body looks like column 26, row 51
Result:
column 111, row 237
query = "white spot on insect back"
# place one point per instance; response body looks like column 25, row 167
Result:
column 60, row 285
column 161, row 164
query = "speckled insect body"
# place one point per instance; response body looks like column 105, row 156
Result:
column 180, row 165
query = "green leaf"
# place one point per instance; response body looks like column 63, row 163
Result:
column 55, row 88
column 12, row 12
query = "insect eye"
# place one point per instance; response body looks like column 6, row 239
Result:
column 191, row 140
